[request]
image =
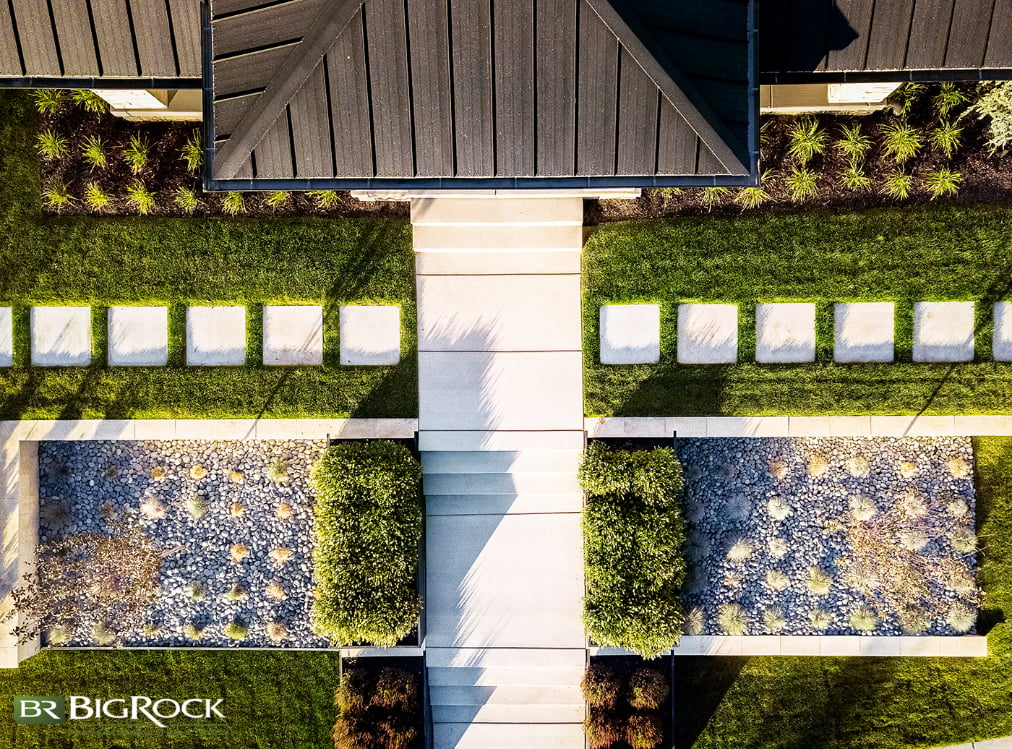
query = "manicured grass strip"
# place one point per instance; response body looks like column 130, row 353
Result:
column 903, row 255
column 104, row 262
column 870, row 703
column 271, row 699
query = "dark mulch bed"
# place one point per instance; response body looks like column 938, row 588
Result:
column 165, row 173
column 987, row 178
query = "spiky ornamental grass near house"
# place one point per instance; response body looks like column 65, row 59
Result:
column 367, row 532
column 175, row 262
column 898, row 255
column 871, row 703
column 633, row 538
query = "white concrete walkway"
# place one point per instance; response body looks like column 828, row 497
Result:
column 500, row 420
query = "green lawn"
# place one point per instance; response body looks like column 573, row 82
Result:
column 272, row 700
column 103, row 262
column 903, row 255
column 870, row 703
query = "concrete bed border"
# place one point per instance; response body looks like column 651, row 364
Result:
column 799, row 426
column 849, row 646
column 19, row 476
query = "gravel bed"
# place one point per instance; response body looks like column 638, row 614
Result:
column 213, row 506
column 763, row 514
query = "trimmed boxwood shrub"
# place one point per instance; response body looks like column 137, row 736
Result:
column 633, row 537
column 367, row 531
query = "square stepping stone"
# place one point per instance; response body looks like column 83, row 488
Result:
column 943, row 331
column 1002, row 343
column 370, row 335
column 630, row 333
column 707, row 333
column 216, row 336
column 293, row 335
column 864, row 331
column 6, row 337
column 61, row 336
column 785, row 333
column 138, row 336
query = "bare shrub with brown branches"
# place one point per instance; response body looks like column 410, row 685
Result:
column 86, row 579
column 894, row 574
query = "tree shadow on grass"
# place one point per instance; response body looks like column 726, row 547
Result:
column 700, row 684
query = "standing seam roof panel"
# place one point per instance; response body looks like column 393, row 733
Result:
column 555, row 87
column 472, row 87
column 430, row 71
column 311, row 127
column 598, row 101
column 154, row 39
column 73, row 31
column 513, row 28
column 349, row 102
column 386, row 45
column 115, row 38
column 968, row 37
column 38, row 43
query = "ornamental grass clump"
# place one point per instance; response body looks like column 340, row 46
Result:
column 57, row 197
column 807, row 140
column 901, row 141
column 633, row 539
column 367, row 530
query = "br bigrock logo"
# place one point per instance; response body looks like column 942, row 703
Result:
column 159, row 712
column 40, row 710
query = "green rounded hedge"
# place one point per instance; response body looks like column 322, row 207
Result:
column 633, row 537
column 367, row 531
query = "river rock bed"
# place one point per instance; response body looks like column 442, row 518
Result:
column 767, row 518
column 236, row 517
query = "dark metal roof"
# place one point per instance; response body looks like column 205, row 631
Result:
column 321, row 92
column 939, row 38
column 87, row 39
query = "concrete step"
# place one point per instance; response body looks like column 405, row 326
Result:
column 436, row 657
column 501, row 462
column 497, row 441
column 517, row 482
column 464, row 676
column 508, row 713
column 500, row 695
column 507, row 736
column 504, row 237
column 499, row 313
column 502, row 504
column 500, row 210
column 435, row 263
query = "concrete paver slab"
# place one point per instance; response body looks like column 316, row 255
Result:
column 483, row 592
column 1002, row 342
column 500, row 391
column 370, row 335
column 6, row 337
column 496, row 263
column 707, row 333
column 785, row 333
column 216, row 336
column 61, row 336
column 630, row 333
column 138, row 336
column 509, row 735
column 864, row 331
column 943, row 331
column 499, row 313
column 516, row 237
column 293, row 335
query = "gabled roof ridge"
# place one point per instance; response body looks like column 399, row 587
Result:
column 676, row 88
column 333, row 18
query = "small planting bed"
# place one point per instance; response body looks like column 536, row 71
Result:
column 232, row 523
column 853, row 162
column 367, row 541
column 94, row 163
column 633, row 535
column 830, row 536
column 380, row 704
column 628, row 702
